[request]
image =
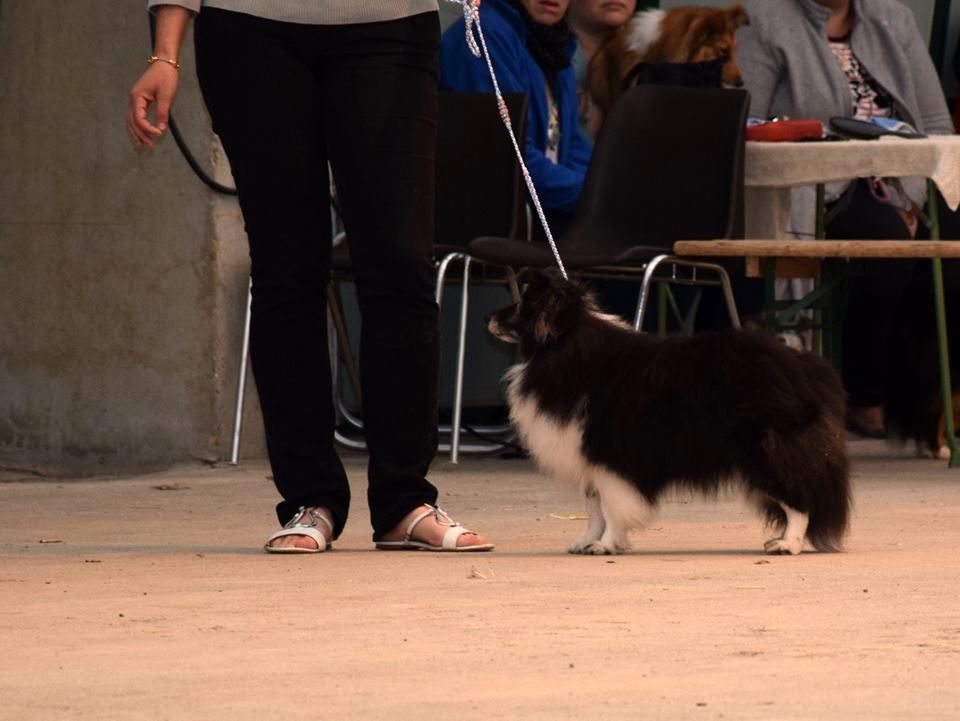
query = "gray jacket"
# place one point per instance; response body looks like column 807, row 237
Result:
column 790, row 70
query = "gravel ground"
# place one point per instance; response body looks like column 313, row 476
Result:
column 148, row 597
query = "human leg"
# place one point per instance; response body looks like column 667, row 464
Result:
column 868, row 330
column 264, row 101
column 383, row 79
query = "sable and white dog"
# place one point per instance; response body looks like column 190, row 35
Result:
column 628, row 416
column 678, row 36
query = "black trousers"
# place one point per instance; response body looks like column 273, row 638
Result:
column 877, row 296
column 286, row 99
column 868, row 329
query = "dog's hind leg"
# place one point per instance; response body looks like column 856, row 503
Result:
column 595, row 525
column 791, row 540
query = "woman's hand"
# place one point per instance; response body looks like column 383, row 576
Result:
column 159, row 82
column 157, row 86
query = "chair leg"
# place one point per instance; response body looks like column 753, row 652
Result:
column 728, row 296
column 645, row 284
column 662, row 292
column 649, row 274
column 442, row 273
column 461, row 356
column 512, row 283
column 241, row 383
column 335, row 308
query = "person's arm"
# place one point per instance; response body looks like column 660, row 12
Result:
column 557, row 186
column 159, row 82
column 759, row 67
column 932, row 105
column 581, row 149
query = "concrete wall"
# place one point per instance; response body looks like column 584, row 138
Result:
column 121, row 276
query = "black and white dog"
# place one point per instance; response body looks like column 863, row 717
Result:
column 628, row 416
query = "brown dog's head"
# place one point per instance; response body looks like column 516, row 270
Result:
column 685, row 35
column 700, row 34
column 549, row 308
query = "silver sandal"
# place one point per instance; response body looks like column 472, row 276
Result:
column 294, row 527
column 449, row 542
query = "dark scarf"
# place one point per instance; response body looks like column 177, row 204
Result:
column 547, row 44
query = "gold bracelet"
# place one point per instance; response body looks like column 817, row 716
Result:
column 156, row 59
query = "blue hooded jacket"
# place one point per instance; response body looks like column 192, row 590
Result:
column 558, row 184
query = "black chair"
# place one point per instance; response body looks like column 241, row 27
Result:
column 479, row 192
column 667, row 166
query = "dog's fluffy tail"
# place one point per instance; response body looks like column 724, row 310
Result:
column 828, row 515
column 809, row 471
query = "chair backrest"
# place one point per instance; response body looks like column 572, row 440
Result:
column 667, row 166
column 479, row 185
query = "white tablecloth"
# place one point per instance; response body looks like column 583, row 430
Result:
column 772, row 169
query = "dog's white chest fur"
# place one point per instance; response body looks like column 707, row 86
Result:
column 614, row 504
column 644, row 29
column 556, row 447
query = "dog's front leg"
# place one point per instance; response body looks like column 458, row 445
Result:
column 623, row 508
column 595, row 524
column 614, row 538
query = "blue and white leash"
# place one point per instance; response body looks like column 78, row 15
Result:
column 471, row 16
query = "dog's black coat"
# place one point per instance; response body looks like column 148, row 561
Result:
column 693, row 412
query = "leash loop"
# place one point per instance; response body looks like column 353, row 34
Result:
column 474, row 32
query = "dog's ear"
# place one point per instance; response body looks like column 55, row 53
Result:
column 557, row 310
column 529, row 276
column 536, row 279
column 736, row 17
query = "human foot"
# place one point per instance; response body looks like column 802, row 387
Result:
column 867, row 421
column 428, row 528
column 309, row 531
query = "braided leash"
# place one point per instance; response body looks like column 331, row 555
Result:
column 471, row 16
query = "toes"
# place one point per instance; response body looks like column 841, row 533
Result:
column 578, row 546
column 783, row 547
column 595, row 548
column 470, row 538
column 294, row 542
column 598, row 548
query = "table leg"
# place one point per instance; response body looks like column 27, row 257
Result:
column 821, row 226
column 823, row 318
column 661, row 309
column 946, row 393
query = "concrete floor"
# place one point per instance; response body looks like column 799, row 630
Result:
column 151, row 599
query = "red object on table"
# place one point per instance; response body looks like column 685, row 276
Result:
column 786, row 130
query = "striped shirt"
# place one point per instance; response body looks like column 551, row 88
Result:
column 869, row 99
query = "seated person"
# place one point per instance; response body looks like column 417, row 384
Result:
column 530, row 47
column 852, row 58
column 593, row 21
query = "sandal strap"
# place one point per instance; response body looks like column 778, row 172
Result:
column 442, row 519
column 301, row 530
column 449, row 541
column 294, row 523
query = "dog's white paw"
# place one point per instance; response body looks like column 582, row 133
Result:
column 599, row 548
column 944, row 453
column 783, row 546
column 580, row 545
